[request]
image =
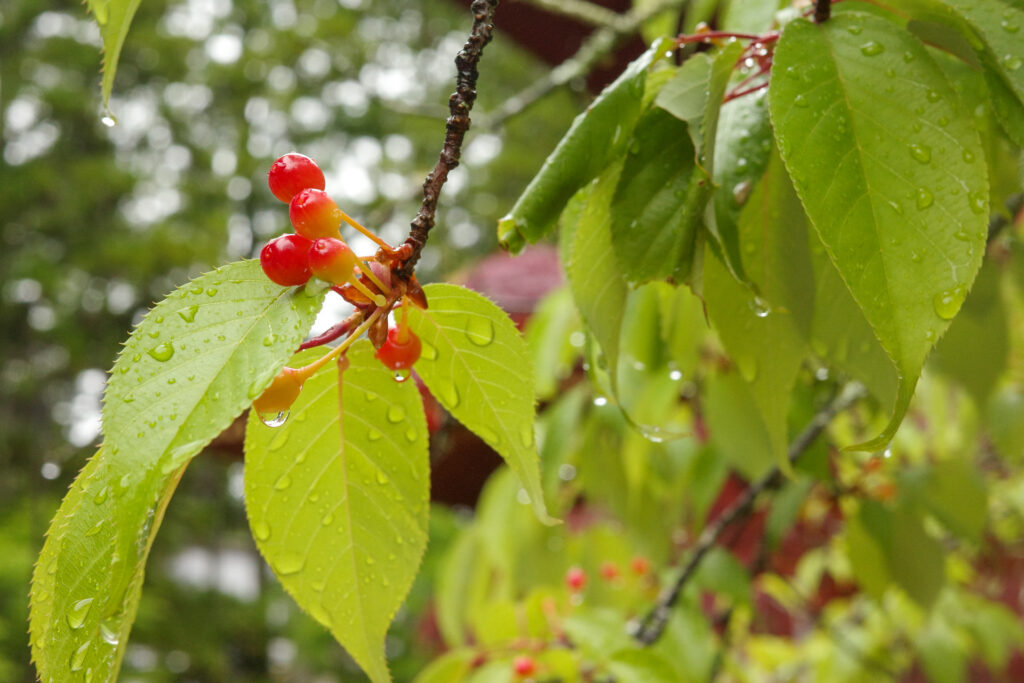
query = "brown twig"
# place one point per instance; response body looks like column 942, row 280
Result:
column 650, row 628
column 459, row 106
column 822, row 10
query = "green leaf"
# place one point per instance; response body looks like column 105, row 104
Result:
column 976, row 348
column 596, row 137
column 598, row 286
column 641, row 665
column 655, row 213
column 953, row 491
column 114, row 18
column 451, row 667
column 338, row 500
column 891, row 546
column 735, row 425
column 743, row 145
column 186, row 372
column 903, row 216
column 764, row 335
column 998, row 24
column 549, row 334
column 1006, row 422
column 478, row 367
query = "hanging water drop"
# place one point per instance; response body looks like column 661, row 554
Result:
column 274, row 420
column 759, row 307
column 401, row 375
column 947, row 303
column 108, row 120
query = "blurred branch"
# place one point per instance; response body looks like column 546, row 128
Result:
column 651, row 626
column 580, row 10
column 598, row 46
column 459, row 106
column 999, row 221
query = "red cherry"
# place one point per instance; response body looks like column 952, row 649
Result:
column 399, row 355
column 331, row 260
column 293, row 173
column 285, row 260
column 524, row 666
column 314, row 214
column 609, row 571
column 640, row 565
column 575, row 579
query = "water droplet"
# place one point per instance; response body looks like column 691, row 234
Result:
column 947, row 303
column 934, row 96
column 401, row 375
column 101, row 497
column 908, row 57
column 924, row 198
column 382, row 478
column 427, row 350
column 487, row 434
column 284, row 482
column 759, row 307
column 261, row 530
column 872, row 48
column 108, row 632
column 274, row 420
column 396, row 414
column 373, row 435
column 480, row 330
column 1009, row 26
column 526, row 435
column 162, row 352
column 95, row 529
column 269, row 340
column 410, row 435
column 448, row 394
column 212, row 291
column 855, row 29
column 800, row 101
column 77, row 613
column 978, row 202
column 921, row 153
column 328, row 519
column 289, row 563
column 1011, row 62
column 968, row 156
column 78, row 658
column 915, row 257
column 962, row 235
column 108, row 120
column 741, row 192
column 256, row 388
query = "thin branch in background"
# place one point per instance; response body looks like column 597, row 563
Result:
column 653, row 625
column 459, row 106
column 580, row 10
column 998, row 222
column 822, row 10
column 594, row 49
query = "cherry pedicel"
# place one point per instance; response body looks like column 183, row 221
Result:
column 293, row 173
column 285, row 260
column 397, row 353
column 314, row 214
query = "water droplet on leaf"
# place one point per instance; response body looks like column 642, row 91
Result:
column 77, row 613
column 396, row 414
column 480, row 331
column 274, row 420
column 921, row 153
column 872, row 48
column 947, row 303
column 924, row 198
column 162, row 352
column 289, row 563
column 261, row 530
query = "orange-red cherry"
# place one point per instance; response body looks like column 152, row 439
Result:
column 331, row 260
column 524, row 666
column 281, row 394
column 314, row 214
column 397, row 354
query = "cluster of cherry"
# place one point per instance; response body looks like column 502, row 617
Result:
column 316, row 249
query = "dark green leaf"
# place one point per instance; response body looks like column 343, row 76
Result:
column 903, row 219
column 596, row 137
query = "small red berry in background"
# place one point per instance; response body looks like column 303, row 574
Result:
column 285, row 260
column 609, row 571
column 399, row 354
column 293, row 173
column 640, row 565
column 330, row 259
column 524, row 666
column 314, row 214
column 575, row 579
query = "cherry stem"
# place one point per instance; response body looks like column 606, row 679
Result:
column 307, row 371
column 331, row 333
column 366, row 291
column 822, row 10
column 403, row 324
column 366, row 231
column 729, row 97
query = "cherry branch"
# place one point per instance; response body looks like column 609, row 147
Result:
column 649, row 629
column 459, row 105
column 822, row 10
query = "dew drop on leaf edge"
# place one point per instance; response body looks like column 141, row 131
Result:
column 274, row 421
